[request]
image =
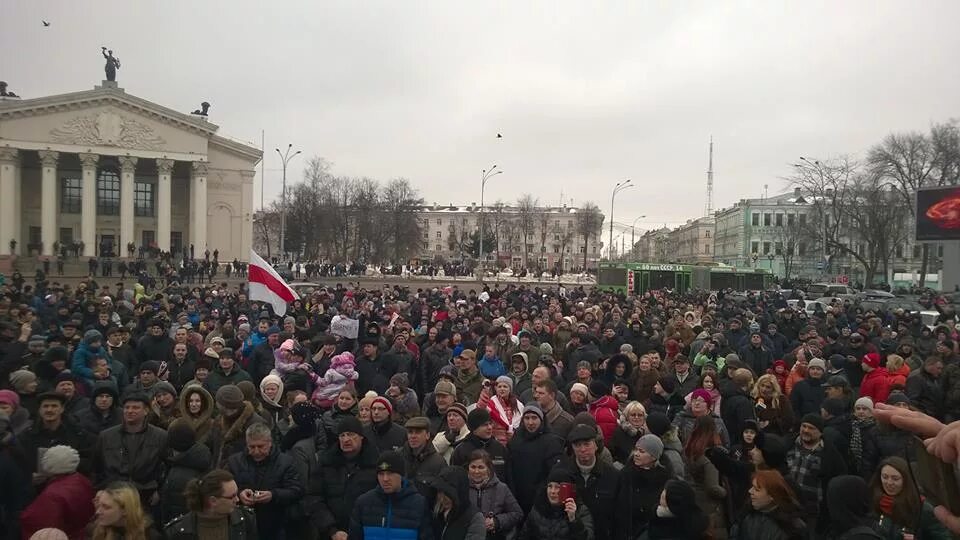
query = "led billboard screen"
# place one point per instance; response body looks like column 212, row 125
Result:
column 938, row 213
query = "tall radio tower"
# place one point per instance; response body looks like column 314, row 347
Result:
column 709, row 206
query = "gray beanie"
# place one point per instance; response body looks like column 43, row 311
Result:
column 546, row 348
column 59, row 460
column 651, row 444
column 229, row 396
column 164, row 386
column 535, row 409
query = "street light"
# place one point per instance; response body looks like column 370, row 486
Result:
column 285, row 157
column 616, row 189
column 485, row 175
column 633, row 232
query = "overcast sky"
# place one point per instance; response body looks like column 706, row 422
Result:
column 584, row 93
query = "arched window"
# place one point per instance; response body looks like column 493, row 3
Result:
column 108, row 193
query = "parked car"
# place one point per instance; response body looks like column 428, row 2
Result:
column 817, row 290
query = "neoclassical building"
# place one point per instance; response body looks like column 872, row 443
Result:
column 105, row 168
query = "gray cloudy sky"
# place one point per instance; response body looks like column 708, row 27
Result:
column 585, row 93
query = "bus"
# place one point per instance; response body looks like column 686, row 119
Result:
column 640, row 277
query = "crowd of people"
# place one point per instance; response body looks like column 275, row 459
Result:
column 515, row 413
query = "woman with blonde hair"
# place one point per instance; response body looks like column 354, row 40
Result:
column 632, row 426
column 120, row 516
column 774, row 413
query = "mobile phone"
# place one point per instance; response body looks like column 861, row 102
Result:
column 938, row 480
column 567, row 491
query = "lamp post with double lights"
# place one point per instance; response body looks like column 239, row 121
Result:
column 485, row 175
column 616, row 189
column 285, row 157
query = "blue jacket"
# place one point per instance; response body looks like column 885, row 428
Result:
column 491, row 368
column 401, row 516
column 81, row 359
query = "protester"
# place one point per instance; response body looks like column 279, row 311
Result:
column 553, row 518
column 66, row 500
column 214, row 512
column 773, row 513
column 395, row 505
column 119, row 514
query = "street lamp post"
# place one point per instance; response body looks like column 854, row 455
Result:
column 285, row 157
column 485, row 175
column 633, row 232
column 616, row 189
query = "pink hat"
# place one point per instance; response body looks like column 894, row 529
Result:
column 288, row 345
column 10, row 398
column 702, row 394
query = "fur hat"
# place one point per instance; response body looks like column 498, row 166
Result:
column 350, row 424
column 477, row 418
column 150, row 365
column 59, row 460
column 21, row 378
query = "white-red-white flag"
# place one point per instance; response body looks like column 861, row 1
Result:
column 266, row 285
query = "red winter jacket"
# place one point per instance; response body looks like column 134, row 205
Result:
column 606, row 412
column 876, row 385
column 66, row 504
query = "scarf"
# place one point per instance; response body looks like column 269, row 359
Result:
column 886, row 505
column 856, row 436
column 509, row 420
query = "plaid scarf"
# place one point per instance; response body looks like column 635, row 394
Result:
column 856, row 437
column 803, row 468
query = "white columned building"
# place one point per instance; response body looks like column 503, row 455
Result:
column 99, row 170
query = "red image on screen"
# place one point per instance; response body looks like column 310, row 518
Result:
column 946, row 213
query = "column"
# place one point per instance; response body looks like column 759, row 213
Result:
column 128, row 165
column 246, row 203
column 48, row 200
column 9, row 165
column 198, row 207
column 164, row 169
column 88, row 203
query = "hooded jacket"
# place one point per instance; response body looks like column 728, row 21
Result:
column 606, row 411
column 201, row 424
column 463, row 521
column 181, row 468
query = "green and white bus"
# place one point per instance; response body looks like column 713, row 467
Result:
column 640, row 277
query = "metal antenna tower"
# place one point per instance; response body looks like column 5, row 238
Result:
column 709, row 207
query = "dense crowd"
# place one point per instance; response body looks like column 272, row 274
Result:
column 515, row 413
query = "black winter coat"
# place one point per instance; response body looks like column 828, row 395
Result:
column 131, row 457
column 807, row 396
column 181, row 468
column 243, row 526
column 154, row 348
column 386, row 436
column 406, row 509
column 638, row 495
column 422, row 468
column 337, row 484
column 884, row 441
column 275, row 474
column 735, row 409
column 532, row 457
column 37, row 438
column 547, row 522
column 498, row 454
column 374, row 374
column 773, row 525
column 599, row 494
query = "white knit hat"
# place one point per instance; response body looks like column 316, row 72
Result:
column 49, row 534
column 59, row 460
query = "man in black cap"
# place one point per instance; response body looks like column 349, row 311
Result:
column 156, row 345
column 395, row 509
column 134, row 451
column 811, row 463
column 534, row 451
column 596, row 479
column 347, row 471
column 51, row 429
column 481, row 438
column 375, row 371
column 420, row 457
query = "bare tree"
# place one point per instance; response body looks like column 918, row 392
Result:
column 589, row 221
column 912, row 161
column 401, row 201
column 789, row 238
column 526, row 222
column 564, row 237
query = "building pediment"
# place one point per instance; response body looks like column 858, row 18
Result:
column 104, row 118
